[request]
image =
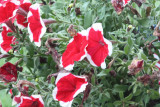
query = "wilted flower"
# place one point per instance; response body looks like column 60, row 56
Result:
column 68, row 87
column 119, row 5
column 71, row 30
column 145, row 79
column 8, row 72
column 135, row 66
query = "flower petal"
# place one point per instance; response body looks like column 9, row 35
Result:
column 76, row 50
column 36, row 26
column 98, row 47
column 22, row 20
column 126, row 2
column 8, row 9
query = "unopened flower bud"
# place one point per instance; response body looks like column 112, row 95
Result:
column 145, row 79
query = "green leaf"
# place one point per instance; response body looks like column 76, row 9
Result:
column 117, row 103
column 157, row 105
column 126, row 49
column 87, row 19
column 128, row 97
column 107, row 94
column 130, row 42
column 118, row 88
column 121, row 95
column 52, row 80
column 156, row 44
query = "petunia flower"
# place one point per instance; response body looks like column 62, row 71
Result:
column 5, row 40
column 68, row 87
column 126, row 2
column 22, row 19
column 36, row 26
column 98, row 47
column 8, row 72
column 8, row 10
column 32, row 101
column 76, row 50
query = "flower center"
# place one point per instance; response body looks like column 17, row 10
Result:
column 35, row 103
column 101, row 42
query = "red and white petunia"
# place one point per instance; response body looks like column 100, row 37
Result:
column 68, row 87
column 8, row 9
column 76, row 50
column 32, row 101
column 21, row 19
column 98, row 47
column 36, row 26
column 126, row 2
column 8, row 72
column 5, row 40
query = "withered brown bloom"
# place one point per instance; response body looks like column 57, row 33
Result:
column 135, row 66
column 145, row 79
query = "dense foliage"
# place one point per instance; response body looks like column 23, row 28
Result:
column 132, row 37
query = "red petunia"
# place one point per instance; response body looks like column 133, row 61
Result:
column 68, row 87
column 126, row 2
column 21, row 19
column 98, row 47
column 76, row 50
column 33, row 101
column 5, row 40
column 36, row 26
column 8, row 9
column 8, row 72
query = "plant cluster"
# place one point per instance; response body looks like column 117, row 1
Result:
column 87, row 53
